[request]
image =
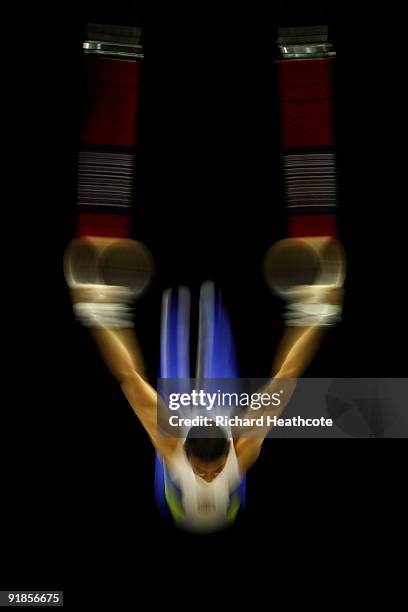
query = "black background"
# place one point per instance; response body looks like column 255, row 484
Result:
column 78, row 468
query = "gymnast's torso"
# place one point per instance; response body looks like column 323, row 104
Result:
column 195, row 504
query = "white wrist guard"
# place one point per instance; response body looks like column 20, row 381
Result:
column 306, row 315
column 100, row 314
column 307, row 307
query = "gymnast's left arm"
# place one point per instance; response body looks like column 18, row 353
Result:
column 297, row 349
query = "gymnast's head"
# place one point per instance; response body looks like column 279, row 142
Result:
column 207, row 451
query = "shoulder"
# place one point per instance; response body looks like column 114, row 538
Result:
column 169, row 450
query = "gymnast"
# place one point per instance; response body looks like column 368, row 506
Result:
column 207, row 469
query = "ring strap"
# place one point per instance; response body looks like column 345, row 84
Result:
column 306, row 100
column 112, row 57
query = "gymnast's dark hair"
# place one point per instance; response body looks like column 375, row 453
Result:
column 206, row 443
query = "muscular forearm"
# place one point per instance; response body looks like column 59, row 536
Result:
column 120, row 351
column 300, row 344
column 298, row 347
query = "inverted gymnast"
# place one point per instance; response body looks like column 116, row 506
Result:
column 205, row 471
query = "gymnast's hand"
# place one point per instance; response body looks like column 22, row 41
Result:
column 105, row 276
column 124, row 268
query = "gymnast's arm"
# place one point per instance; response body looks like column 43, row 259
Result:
column 119, row 351
column 297, row 348
column 118, row 348
column 121, row 354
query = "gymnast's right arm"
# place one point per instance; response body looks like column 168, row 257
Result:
column 119, row 349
